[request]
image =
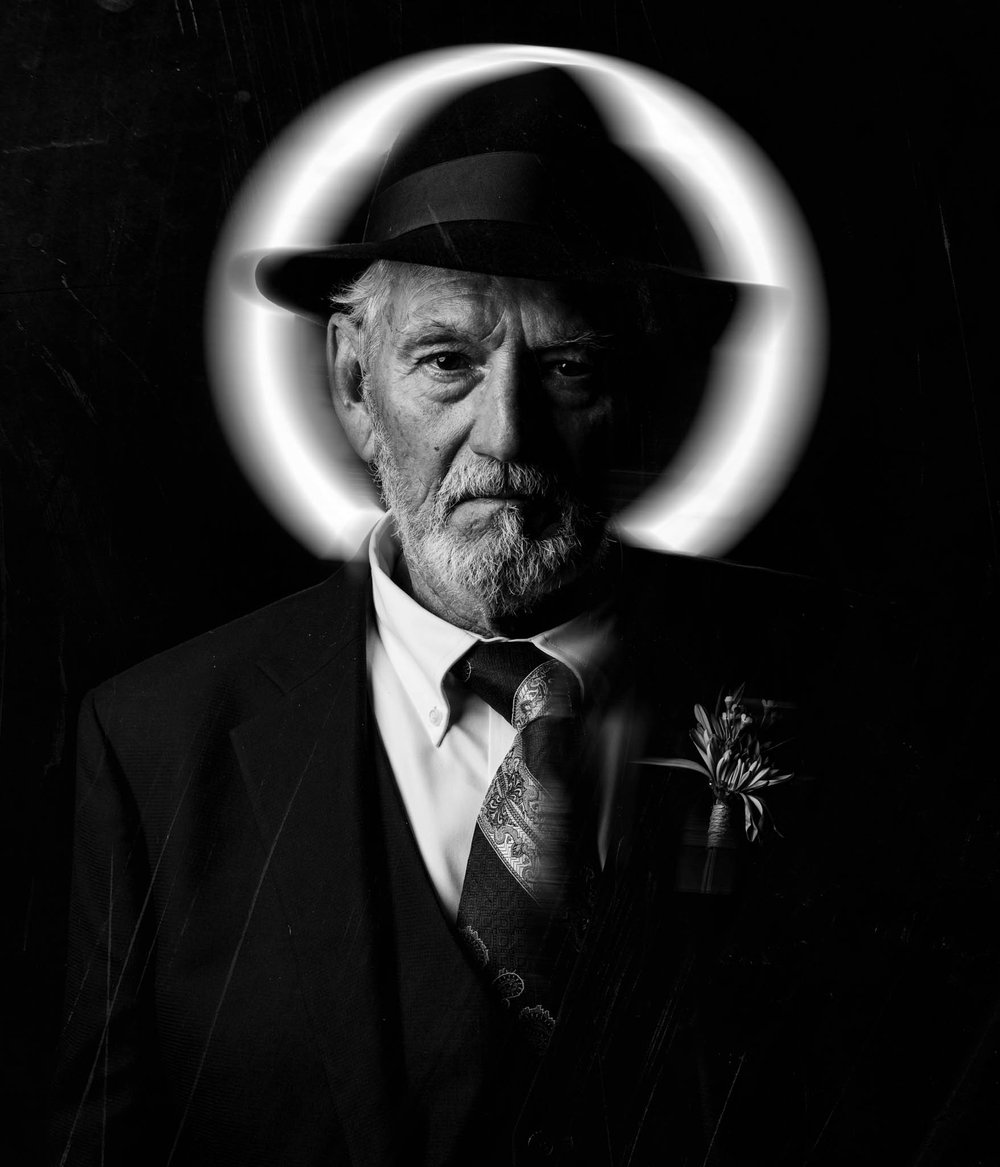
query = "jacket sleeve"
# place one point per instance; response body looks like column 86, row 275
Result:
column 107, row 1102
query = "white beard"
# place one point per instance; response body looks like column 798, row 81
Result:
column 507, row 570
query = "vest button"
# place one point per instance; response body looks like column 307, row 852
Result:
column 541, row 1145
column 544, row 1144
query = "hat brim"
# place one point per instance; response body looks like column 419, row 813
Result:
column 306, row 281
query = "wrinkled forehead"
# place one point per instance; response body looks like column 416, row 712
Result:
column 489, row 307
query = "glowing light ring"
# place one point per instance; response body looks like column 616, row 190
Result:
column 765, row 384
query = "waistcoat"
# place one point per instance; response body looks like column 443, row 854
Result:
column 464, row 1076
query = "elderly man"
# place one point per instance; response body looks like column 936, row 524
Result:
column 375, row 875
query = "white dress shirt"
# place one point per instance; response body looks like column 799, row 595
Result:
column 443, row 742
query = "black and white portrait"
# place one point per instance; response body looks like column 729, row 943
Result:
column 499, row 586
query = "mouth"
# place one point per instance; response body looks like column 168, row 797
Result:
column 536, row 513
column 502, row 499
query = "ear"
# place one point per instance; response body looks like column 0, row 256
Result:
column 344, row 371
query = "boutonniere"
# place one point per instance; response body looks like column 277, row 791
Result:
column 736, row 763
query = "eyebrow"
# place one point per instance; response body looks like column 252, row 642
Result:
column 589, row 337
column 434, row 332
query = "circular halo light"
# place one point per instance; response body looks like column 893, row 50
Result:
column 766, row 377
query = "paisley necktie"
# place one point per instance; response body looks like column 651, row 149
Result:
column 533, row 861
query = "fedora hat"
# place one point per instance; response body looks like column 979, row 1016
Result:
column 516, row 177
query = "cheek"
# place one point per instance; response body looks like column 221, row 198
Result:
column 586, row 436
column 423, row 448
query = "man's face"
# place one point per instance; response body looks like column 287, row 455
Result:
column 492, row 410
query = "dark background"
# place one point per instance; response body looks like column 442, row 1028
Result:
column 127, row 126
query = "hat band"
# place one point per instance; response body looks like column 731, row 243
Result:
column 504, row 186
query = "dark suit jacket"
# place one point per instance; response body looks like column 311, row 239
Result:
column 228, row 996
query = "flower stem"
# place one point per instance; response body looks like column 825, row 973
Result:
column 719, row 822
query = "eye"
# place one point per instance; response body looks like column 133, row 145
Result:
column 572, row 368
column 449, row 361
column 577, row 367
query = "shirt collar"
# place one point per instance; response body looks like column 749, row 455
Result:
column 422, row 648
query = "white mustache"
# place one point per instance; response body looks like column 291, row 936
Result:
column 497, row 480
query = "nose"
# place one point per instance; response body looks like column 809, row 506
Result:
column 498, row 430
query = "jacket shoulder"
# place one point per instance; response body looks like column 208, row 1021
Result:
column 721, row 600
column 252, row 657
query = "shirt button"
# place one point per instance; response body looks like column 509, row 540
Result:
column 435, row 716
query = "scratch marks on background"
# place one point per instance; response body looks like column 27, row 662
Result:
column 180, row 16
column 108, row 1002
column 969, row 381
column 57, row 144
column 650, row 30
column 722, row 1112
column 104, row 332
column 63, row 376
column 948, row 1121
column 225, row 36
column 3, row 607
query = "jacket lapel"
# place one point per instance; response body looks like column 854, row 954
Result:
column 630, row 1034
column 307, row 763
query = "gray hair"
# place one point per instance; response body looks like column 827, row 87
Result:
column 367, row 302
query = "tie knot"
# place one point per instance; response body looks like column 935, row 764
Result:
column 520, row 681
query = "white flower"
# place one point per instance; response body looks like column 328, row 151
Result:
column 732, row 758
